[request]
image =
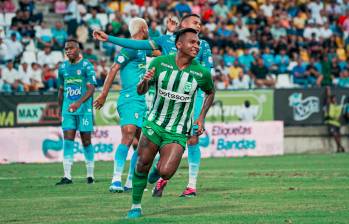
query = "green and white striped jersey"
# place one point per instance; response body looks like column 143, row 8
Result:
column 175, row 91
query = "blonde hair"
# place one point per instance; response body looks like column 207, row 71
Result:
column 135, row 25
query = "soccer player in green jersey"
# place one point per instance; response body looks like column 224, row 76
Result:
column 167, row 45
column 131, row 106
column 168, row 124
column 77, row 80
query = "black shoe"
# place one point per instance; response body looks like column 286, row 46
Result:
column 90, row 180
column 63, row 181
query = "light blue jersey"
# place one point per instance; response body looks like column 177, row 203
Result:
column 131, row 106
column 74, row 78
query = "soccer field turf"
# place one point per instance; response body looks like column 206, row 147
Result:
column 284, row 189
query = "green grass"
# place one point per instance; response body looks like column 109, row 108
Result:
column 285, row 189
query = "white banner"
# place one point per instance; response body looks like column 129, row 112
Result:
column 45, row 144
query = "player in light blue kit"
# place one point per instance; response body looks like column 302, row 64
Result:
column 167, row 45
column 77, row 80
column 131, row 106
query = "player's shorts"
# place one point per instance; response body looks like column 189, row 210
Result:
column 131, row 113
column 162, row 137
column 83, row 123
column 332, row 129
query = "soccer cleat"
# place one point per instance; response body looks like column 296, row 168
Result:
column 159, row 188
column 127, row 189
column 134, row 213
column 90, row 180
column 64, row 181
column 116, row 187
column 189, row 192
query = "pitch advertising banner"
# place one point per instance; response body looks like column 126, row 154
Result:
column 34, row 109
column 45, row 144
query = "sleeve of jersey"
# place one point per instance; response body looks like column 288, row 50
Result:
column 206, row 83
column 91, row 74
column 60, row 77
column 207, row 56
column 133, row 44
column 124, row 56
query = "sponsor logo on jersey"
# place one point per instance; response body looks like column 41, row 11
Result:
column 71, row 81
column 196, row 73
column 167, row 65
column 179, row 97
column 73, row 92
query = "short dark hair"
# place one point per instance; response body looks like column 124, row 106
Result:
column 189, row 15
column 181, row 32
column 75, row 41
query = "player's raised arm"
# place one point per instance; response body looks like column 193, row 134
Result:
column 125, row 42
column 99, row 102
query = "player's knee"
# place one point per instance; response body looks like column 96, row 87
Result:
column 193, row 140
column 127, row 139
column 166, row 172
column 142, row 166
column 86, row 142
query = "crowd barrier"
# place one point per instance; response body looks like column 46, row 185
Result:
column 45, row 144
column 294, row 107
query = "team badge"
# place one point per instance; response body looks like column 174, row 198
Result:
column 121, row 59
column 136, row 115
column 78, row 72
column 187, row 87
column 150, row 131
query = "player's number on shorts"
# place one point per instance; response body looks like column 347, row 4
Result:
column 85, row 122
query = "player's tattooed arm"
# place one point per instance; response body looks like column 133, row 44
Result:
column 99, row 102
column 90, row 90
column 207, row 104
column 143, row 85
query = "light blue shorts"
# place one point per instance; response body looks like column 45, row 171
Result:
column 83, row 123
column 132, row 113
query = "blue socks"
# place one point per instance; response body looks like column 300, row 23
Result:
column 194, row 157
column 119, row 161
column 68, row 157
column 89, row 158
column 131, row 170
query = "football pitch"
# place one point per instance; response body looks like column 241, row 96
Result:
column 284, row 189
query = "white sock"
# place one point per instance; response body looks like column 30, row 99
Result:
column 67, row 164
column 192, row 182
column 136, row 206
column 90, row 165
column 128, row 183
column 116, row 177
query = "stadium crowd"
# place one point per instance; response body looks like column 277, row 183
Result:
column 255, row 44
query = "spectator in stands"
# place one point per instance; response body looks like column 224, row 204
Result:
column 181, row 8
column 313, row 74
column 60, row 7
column 333, row 118
column 221, row 10
column 247, row 113
column 4, row 52
column 43, row 36
column 94, row 23
column 242, row 81
column 268, row 58
column 1, row 81
column 246, row 60
column 282, row 61
column 14, row 47
column 153, row 30
column 24, row 75
column 36, row 77
column 46, row 57
column 132, row 6
column 49, row 78
column 267, row 8
column 7, row 6
column 261, row 75
column 89, row 55
column 343, row 79
column 325, row 68
column 72, row 17
column 230, row 57
column 10, row 78
column 59, row 36
column 242, row 31
column 102, row 72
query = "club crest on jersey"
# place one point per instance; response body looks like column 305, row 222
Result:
column 121, row 59
column 78, row 72
column 136, row 115
column 187, row 87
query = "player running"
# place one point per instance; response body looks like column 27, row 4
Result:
column 167, row 45
column 176, row 79
column 77, row 80
column 131, row 106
